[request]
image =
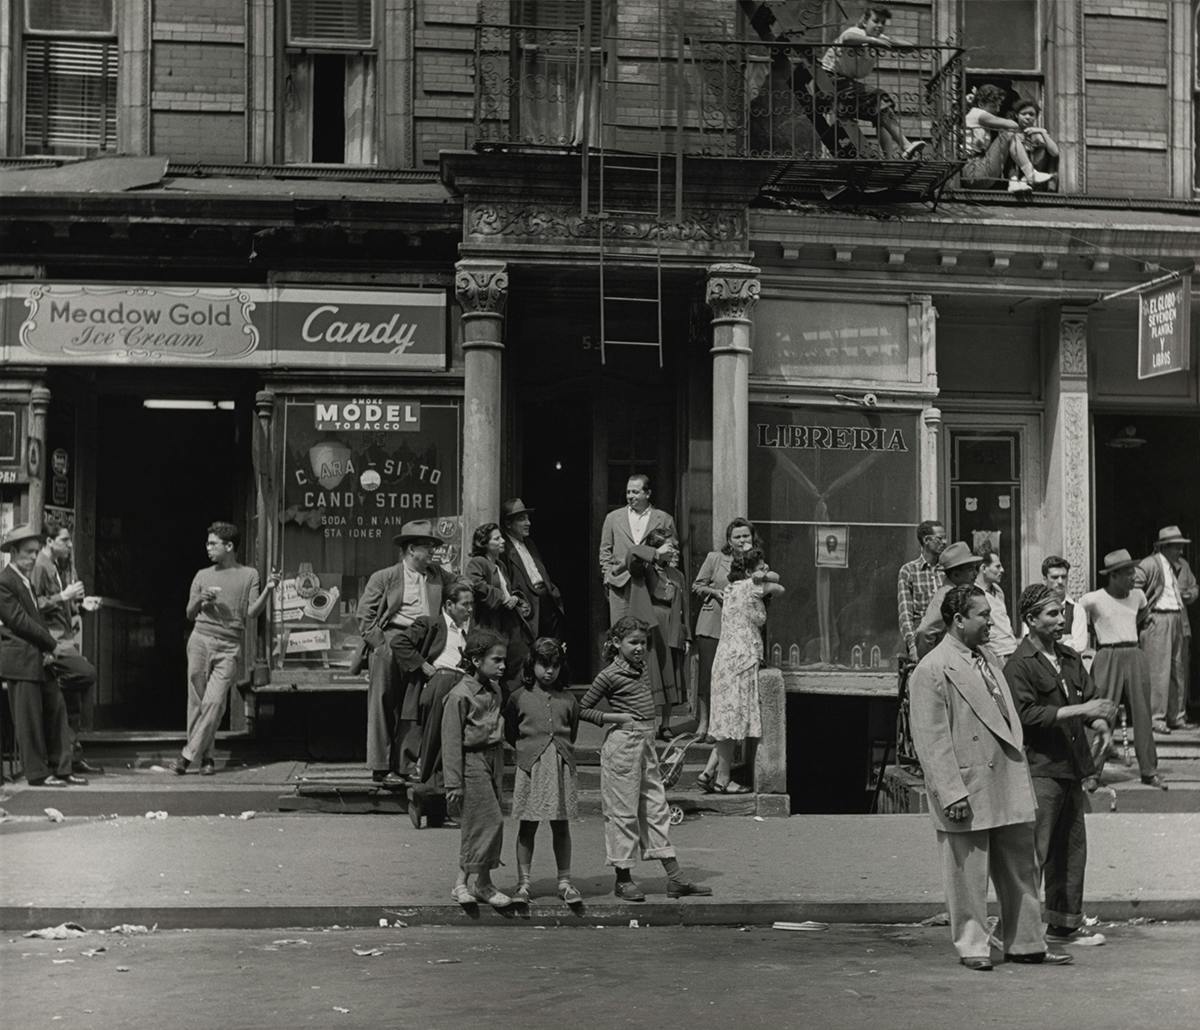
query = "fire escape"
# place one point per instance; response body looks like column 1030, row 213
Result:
column 645, row 106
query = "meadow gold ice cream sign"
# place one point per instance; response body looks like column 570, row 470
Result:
column 137, row 324
column 280, row 327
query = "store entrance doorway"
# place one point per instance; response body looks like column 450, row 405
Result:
column 165, row 468
column 1145, row 478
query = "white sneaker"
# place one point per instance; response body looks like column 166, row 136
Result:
column 1017, row 186
column 913, row 149
column 1037, row 178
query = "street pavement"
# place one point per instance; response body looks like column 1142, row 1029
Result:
column 320, row 870
column 843, row 978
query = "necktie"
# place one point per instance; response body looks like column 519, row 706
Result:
column 993, row 688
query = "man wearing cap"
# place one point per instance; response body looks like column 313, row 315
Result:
column 625, row 528
column 26, row 648
column 959, row 567
column 58, row 601
column 527, row 572
column 1055, row 699
column 393, row 599
column 969, row 741
column 1169, row 585
column 1115, row 615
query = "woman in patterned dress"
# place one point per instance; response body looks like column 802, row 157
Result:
column 734, row 713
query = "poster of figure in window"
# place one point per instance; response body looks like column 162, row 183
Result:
column 355, row 469
column 832, row 547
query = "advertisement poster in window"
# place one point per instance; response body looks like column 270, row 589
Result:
column 354, row 471
column 819, row 480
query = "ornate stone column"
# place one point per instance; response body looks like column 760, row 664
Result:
column 482, row 289
column 732, row 292
column 35, row 454
column 1066, row 500
column 931, row 433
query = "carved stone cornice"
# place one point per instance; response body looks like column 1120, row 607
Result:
column 481, row 288
column 524, row 222
column 732, row 291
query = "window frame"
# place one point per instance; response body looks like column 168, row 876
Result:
column 1038, row 71
column 19, row 104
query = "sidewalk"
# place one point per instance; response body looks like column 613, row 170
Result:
column 321, row 870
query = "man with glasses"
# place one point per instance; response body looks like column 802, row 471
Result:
column 918, row 581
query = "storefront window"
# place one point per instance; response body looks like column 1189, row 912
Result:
column 833, row 339
column 834, row 495
column 354, row 471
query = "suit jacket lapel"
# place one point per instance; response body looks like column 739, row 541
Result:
column 24, row 594
column 969, row 683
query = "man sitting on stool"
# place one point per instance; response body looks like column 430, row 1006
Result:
column 58, row 595
column 26, row 647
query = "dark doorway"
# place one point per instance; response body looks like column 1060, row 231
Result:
column 1145, row 476
column 162, row 475
column 556, row 480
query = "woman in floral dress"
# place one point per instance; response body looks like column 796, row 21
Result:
column 734, row 712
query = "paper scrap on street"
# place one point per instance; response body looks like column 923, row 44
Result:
column 291, row 940
column 808, row 924
column 368, row 952
column 247, row 815
column 133, row 929
column 54, row 815
column 62, row 932
column 941, row 919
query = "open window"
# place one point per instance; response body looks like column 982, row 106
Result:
column 1003, row 47
column 69, row 58
column 329, row 89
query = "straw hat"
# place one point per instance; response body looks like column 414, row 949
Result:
column 1170, row 535
column 1117, row 560
column 420, row 531
column 957, row 554
column 17, row 535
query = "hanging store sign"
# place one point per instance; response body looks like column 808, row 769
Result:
column 1164, row 329
column 281, row 327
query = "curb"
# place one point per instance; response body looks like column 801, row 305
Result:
column 735, row 913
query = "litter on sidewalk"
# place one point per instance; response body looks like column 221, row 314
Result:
column 808, row 924
column 62, row 932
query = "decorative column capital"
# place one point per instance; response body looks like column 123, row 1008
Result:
column 481, row 288
column 732, row 291
column 1072, row 345
column 264, row 406
column 39, row 400
column 932, row 417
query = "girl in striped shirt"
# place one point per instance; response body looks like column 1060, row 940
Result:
column 632, row 795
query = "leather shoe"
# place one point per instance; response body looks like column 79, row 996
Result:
column 76, row 781
column 1038, row 958
column 48, row 781
column 208, row 768
column 628, row 890
column 978, row 963
column 1155, row 781
column 389, row 780
column 81, row 765
column 685, row 888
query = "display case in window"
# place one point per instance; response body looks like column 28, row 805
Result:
column 835, row 496
column 354, row 470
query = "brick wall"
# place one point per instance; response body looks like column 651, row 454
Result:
column 199, row 68
column 231, row 11
column 1127, row 171
column 199, row 136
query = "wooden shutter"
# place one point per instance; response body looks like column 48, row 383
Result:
column 331, row 23
column 70, row 95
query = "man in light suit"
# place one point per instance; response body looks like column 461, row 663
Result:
column 968, row 738
column 1170, row 586
column 623, row 529
column 26, row 649
column 393, row 599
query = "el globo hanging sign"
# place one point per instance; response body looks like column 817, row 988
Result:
column 1164, row 329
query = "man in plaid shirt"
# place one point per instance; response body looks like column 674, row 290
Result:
column 918, row 581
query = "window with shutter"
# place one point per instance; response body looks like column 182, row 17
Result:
column 70, row 77
column 331, row 23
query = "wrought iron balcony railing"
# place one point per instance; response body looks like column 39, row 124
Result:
column 782, row 102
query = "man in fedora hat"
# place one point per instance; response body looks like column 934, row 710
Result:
column 959, row 567
column 527, row 572
column 393, row 599
column 26, row 648
column 1170, row 586
column 1115, row 615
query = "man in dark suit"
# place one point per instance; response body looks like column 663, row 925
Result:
column 527, row 572
column 968, row 739
column 623, row 529
column 393, row 599
column 59, row 595
column 26, row 647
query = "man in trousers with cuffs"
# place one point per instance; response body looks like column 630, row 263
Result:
column 1170, row 586
column 968, row 739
